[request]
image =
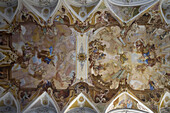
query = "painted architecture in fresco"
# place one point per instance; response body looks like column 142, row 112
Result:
column 84, row 56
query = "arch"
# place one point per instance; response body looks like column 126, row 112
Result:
column 43, row 103
column 10, row 105
column 81, row 109
column 126, row 111
column 129, row 100
column 10, row 9
column 130, row 2
column 43, row 9
column 116, row 7
column 70, row 4
column 81, row 101
column 164, row 6
column 163, row 107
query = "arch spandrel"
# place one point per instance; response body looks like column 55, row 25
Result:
column 128, row 13
column 82, row 9
column 9, row 104
column 43, row 103
column 9, row 9
column 46, row 10
column 164, row 103
column 165, row 10
column 81, row 102
column 8, row 12
column 42, row 41
column 128, row 101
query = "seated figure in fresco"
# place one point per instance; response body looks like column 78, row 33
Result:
column 101, row 56
column 151, row 62
column 46, row 56
column 122, row 104
column 96, row 49
column 151, row 85
column 59, row 19
column 125, row 103
column 141, row 68
column 123, row 58
column 27, row 51
column 45, row 84
column 48, row 59
column 139, row 44
column 27, row 54
column 36, row 71
column 24, row 96
column 99, row 67
column 148, row 61
column 129, row 103
column 144, row 61
column 148, row 55
column 145, row 50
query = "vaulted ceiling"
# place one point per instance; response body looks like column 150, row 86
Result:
column 84, row 56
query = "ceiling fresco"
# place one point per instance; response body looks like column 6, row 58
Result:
column 44, row 54
column 84, row 56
